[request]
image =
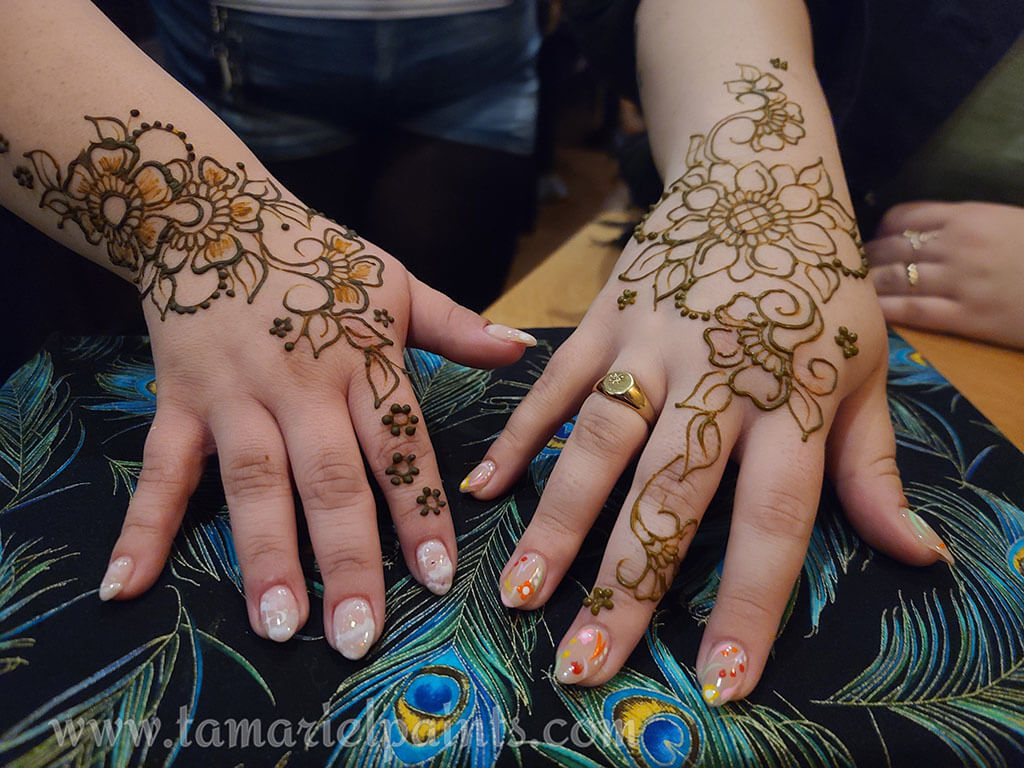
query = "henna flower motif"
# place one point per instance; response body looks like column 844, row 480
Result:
column 746, row 221
column 774, row 124
column 756, row 341
column 339, row 275
column 109, row 193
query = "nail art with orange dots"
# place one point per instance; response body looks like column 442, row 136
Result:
column 523, row 581
column 582, row 656
column 723, row 674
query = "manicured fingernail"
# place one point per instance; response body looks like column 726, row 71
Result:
column 582, row 656
column 435, row 565
column 279, row 613
column 117, row 574
column 723, row 673
column 523, row 580
column 478, row 478
column 505, row 333
column 353, row 627
column 924, row 534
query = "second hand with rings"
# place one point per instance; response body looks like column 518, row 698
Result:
column 916, row 240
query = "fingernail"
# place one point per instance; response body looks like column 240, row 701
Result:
column 582, row 656
column 523, row 580
column 478, row 478
column 117, row 574
column 279, row 613
column 353, row 627
column 505, row 333
column 924, row 534
column 723, row 673
column 435, row 566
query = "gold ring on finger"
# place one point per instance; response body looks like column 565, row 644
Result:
column 913, row 277
column 621, row 387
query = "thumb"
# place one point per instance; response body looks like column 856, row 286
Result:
column 862, row 465
column 438, row 324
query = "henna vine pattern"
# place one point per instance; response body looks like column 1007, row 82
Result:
column 730, row 218
column 191, row 231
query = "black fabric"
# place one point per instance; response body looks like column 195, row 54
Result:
column 876, row 663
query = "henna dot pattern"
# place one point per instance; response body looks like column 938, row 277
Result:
column 400, row 418
column 381, row 316
column 402, row 468
column 24, row 177
column 430, row 501
column 599, row 598
column 628, row 297
column 847, row 339
column 282, row 327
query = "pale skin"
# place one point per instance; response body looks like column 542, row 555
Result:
column 971, row 281
column 686, row 52
column 225, row 385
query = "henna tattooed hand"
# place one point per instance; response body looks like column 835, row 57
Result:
column 277, row 336
column 969, row 265
column 740, row 306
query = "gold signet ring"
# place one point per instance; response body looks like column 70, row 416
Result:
column 621, row 387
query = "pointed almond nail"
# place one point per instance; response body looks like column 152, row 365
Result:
column 523, row 581
column 478, row 477
column 723, row 674
column 279, row 613
column 435, row 566
column 505, row 333
column 353, row 627
column 582, row 656
column 924, row 534
column 117, row 574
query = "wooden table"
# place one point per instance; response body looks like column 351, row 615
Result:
column 558, row 292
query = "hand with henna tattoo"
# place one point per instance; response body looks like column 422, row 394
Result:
column 277, row 333
column 750, row 289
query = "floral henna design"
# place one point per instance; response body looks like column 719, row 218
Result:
column 733, row 218
column 191, row 230
column 598, row 598
column 402, row 468
column 400, row 418
column 431, row 501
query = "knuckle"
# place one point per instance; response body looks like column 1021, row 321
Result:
column 335, row 481
column 254, row 473
column 780, row 514
column 138, row 527
column 598, row 432
column 748, row 607
column 553, row 527
column 265, row 548
column 347, row 556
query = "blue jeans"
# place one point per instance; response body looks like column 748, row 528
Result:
column 297, row 87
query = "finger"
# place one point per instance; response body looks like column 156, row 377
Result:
column 258, row 489
column 897, row 249
column 930, row 312
column 675, row 480
column 921, row 216
column 862, row 465
column 440, row 325
column 342, row 519
column 776, row 500
column 895, row 280
column 554, row 397
column 398, row 448
column 172, row 463
column 606, row 437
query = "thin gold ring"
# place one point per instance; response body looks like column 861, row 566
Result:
column 912, row 275
column 918, row 239
column 621, row 387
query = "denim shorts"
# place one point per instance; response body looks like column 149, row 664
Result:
column 297, row 87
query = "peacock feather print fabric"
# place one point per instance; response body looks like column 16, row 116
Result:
column 875, row 664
